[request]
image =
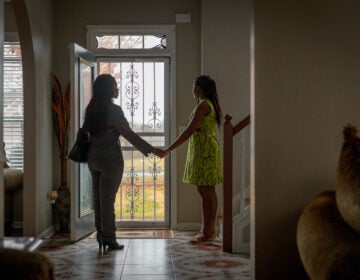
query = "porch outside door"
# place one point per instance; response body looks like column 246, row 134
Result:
column 143, row 199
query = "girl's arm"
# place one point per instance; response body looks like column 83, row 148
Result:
column 201, row 111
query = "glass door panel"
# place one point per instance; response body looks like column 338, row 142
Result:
column 83, row 70
column 85, row 92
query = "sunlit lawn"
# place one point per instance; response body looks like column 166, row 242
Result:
column 145, row 200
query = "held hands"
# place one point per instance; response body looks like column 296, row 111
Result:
column 160, row 153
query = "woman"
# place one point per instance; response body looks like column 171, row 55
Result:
column 203, row 162
column 105, row 122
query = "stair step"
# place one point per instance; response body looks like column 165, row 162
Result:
column 245, row 214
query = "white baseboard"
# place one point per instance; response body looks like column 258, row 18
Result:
column 195, row 227
column 243, row 248
column 187, row 226
column 47, row 233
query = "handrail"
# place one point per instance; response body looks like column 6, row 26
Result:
column 241, row 125
column 229, row 132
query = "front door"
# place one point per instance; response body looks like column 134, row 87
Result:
column 82, row 73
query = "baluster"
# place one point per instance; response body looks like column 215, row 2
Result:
column 243, row 171
column 227, row 184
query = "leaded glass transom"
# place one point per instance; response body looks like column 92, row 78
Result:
column 115, row 41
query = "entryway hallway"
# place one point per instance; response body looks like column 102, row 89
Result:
column 145, row 259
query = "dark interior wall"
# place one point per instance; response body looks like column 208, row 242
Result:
column 306, row 89
column 72, row 17
column 9, row 18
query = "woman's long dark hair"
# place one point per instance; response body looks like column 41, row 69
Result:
column 208, row 87
column 97, row 110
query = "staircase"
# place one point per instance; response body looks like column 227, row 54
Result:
column 236, row 208
column 241, row 224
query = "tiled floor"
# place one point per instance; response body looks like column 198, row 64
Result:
column 145, row 259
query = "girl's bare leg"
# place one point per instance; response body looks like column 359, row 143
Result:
column 209, row 204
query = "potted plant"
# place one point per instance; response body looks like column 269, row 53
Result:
column 60, row 104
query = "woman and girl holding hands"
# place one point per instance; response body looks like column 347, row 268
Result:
column 105, row 122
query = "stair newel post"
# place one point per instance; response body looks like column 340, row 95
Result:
column 227, row 184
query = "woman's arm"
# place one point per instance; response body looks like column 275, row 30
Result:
column 122, row 126
column 201, row 111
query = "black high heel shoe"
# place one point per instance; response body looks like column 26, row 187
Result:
column 99, row 240
column 112, row 245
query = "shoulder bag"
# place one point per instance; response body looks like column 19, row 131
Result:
column 79, row 151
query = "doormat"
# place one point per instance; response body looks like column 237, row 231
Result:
column 142, row 234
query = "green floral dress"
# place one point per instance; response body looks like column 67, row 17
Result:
column 203, row 162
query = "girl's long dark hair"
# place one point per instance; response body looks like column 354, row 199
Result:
column 97, row 110
column 208, row 87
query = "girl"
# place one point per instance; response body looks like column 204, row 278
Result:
column 203, row 163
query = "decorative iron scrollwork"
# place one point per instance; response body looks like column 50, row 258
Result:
column 154, row 111
column 154, row 170
column 132, row 89
column 132, row 192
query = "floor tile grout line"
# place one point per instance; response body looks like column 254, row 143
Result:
column 124, row 262
column 172, row 259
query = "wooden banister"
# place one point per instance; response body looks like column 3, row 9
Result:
column 229, row 132
column 241, row 125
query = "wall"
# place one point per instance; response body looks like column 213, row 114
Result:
column 225, row 29
column 70, row 21
column 34, row 25
column 225, row 34
column 9, row 18
column 306, row 89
